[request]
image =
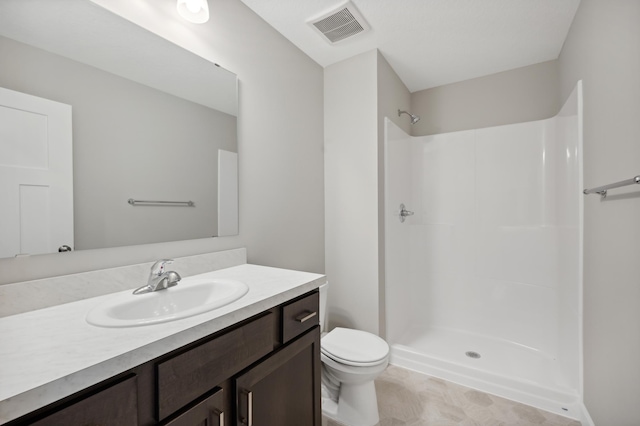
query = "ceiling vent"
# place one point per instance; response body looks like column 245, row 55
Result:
column 340, row 24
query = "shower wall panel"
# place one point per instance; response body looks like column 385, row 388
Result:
column 492, row 248
column 491, row 259
column 569, row 205
column 482, row 255
column 399, row 188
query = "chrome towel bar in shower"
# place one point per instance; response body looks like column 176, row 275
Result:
column 160, row 203
column 602, row 190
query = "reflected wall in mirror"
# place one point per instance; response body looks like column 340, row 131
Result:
column 149, row 119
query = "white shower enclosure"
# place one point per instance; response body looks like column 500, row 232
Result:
column 483, row 281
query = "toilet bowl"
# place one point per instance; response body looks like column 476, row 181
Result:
column 351, row 360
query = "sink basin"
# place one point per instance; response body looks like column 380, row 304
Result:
column 192, row 296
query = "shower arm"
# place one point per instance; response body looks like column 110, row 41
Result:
column 414, row 118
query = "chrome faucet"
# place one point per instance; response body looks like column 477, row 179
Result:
column 159, row 278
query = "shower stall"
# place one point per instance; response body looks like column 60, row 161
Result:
column 483, row 280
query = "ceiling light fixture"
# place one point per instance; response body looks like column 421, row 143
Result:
column 196, row 11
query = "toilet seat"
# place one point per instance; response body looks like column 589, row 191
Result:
column 354, row 347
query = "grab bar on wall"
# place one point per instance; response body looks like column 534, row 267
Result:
column 160, row 203
column 602, row 190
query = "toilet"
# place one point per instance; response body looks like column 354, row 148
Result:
column 351, row 360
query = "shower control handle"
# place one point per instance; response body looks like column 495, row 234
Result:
column 404, row 213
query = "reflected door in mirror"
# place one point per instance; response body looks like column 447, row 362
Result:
column 36, row 184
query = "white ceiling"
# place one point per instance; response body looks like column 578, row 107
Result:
column 430, row 43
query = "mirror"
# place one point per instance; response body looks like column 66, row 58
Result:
column 150, row 121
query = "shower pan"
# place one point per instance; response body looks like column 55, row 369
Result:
column 483, row 281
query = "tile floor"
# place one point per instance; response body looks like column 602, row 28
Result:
column 407, row 398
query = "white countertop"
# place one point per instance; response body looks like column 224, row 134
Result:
column 51, row 353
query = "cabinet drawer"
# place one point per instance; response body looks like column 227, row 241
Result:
column 300, row 315
column 115, row 406
column 189, row 375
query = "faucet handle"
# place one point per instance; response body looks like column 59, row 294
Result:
column 158, row 268
column 172, row 278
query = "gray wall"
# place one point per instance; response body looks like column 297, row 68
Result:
column 129, row 140
column 515, row 96
column 351, row 194
column 359, row 93
column 280, row 142
column 392, row 95
column 602, row 49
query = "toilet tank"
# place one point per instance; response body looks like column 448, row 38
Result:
column 324, row 288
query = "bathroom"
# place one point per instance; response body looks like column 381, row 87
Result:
column 294, row 196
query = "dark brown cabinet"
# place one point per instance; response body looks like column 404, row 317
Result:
column 263, row 371
column 188, row 375
column 284, row 389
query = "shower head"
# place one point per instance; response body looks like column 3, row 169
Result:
column 414, row 118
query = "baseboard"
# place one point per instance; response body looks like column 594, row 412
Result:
column 585, row 417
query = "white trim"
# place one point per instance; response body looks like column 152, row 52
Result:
column 585, row 417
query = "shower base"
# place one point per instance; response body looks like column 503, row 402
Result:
column 504, row 368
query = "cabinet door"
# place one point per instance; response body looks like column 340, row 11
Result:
column 284, row 389
column 207, row 412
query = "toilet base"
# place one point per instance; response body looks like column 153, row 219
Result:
column 357, row 405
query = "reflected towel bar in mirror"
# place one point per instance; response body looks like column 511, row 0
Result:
column 602, row 190
column 160, row 203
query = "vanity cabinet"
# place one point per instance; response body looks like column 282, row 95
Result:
column 262, row 371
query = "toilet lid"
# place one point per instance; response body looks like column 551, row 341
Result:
column 354, row 347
